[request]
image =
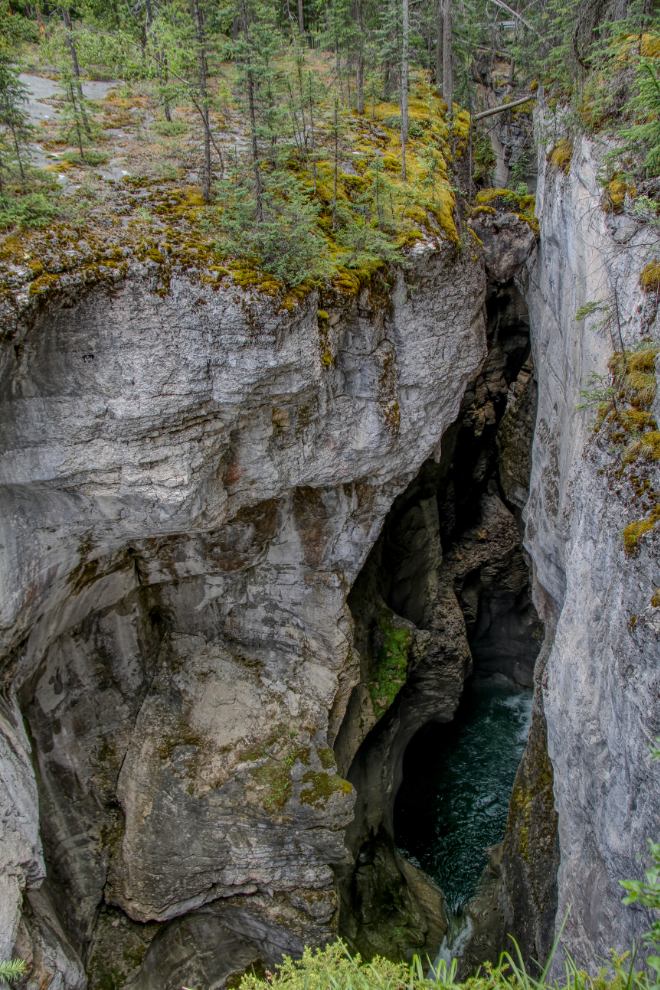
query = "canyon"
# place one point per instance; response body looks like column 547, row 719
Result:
column 249, row 551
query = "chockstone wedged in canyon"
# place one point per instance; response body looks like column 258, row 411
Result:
column 189, row 490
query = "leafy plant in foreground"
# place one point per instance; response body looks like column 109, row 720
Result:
column 11, row 970
column 647, row 894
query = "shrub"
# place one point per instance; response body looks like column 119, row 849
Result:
column 91, row 156
column 333, row 968
column 170, row 128
column 31, row 210
column 285, row 243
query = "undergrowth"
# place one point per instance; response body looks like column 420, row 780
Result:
column 333, row 968
column 625, row 426
column 332, row 218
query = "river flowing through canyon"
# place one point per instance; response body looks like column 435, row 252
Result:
column 457, row 781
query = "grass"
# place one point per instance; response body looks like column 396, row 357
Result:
column 333, row 968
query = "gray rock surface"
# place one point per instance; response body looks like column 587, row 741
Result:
column 445, row 591
column 507, row 243
column 600, row 686
column 188, row 494
column 21, row 862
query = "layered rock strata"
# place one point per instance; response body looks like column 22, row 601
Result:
column 191, row 483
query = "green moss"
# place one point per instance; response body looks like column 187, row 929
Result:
column 650, row 277
column 327, row 758
column 561, row 155
column 615, row 194
column 392, row 666
column 321, row 787
column 635, row 530
column 275, row 777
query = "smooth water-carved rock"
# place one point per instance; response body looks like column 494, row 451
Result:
column 188, row 493
column 600, row 684
column 448, row 578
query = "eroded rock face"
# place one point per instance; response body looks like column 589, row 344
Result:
column 600, row 684
column 445, row 593
column 507, row 243
column 188, row 493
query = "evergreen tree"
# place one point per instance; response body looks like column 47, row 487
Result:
column 15, row 128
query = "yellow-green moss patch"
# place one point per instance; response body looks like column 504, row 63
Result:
column 561, row 155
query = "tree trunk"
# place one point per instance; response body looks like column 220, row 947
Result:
column 166, row 102
column 447, row 73
column 20, row 162
column 206, row 187
column 301, row 17
column 159, row 70
column 438, row 51
column 311, row 122
column 76, row 67
column 334, row 198
column 359, row 71
column 404, row 87
column 253, row 123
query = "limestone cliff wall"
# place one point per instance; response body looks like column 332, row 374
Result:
column 601, row 683
column 190, row 484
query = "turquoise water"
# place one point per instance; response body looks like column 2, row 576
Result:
column 457, row 781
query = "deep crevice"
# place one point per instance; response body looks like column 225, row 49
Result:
column 444, row 596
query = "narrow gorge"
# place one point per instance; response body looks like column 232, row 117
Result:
column 250, row 552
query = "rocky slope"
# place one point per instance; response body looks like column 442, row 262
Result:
column 189, row 490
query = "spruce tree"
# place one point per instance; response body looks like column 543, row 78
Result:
column 15, row 127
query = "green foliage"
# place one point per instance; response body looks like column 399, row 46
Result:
column 647, row 894
column 599, row 390
column 10, row 971
column 15, row 129
column 170, row 128
column 286, row 242
column 333, row 968
column 34, row 209
column 520, row 170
